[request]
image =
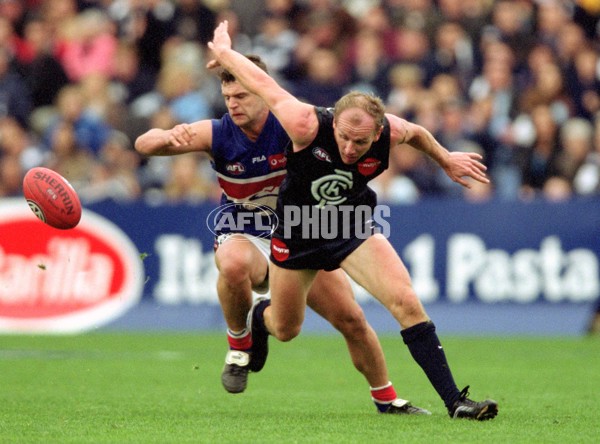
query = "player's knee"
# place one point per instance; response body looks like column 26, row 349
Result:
column 285, row 332
column 352, row 324
column 233, row 268
column 407, row 307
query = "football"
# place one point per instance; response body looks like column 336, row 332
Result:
column 52, row 198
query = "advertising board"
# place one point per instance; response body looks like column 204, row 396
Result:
column 497, row 254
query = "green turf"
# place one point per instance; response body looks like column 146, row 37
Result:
column 165, row 388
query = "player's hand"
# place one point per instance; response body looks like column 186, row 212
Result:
column 461, row 165
column 181, row 135
column 221, row 40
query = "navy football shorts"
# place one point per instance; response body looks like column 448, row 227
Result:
column 311, row 254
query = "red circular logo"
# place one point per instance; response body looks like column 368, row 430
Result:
column 368, row 166
column 279, row 250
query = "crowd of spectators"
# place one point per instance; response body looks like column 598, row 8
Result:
column 517, row 80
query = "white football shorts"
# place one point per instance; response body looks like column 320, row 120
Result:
column 263, row 245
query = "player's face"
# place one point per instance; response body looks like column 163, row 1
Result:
column 354, row 131
column 243, row 106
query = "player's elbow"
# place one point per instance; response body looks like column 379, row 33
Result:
column 142, row 147
column 151, row 143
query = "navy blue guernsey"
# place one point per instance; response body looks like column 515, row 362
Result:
column 249, row 173
column 318, row 181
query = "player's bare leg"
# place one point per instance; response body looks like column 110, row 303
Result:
column 282, row 315
column 387, row 279
column 241, row 267
column 377, row 267
column 332, row 298
column 289, row 290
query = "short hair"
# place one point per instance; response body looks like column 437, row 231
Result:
column 227, row 77
column 369, row 103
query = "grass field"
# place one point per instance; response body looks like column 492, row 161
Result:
column 165, row 388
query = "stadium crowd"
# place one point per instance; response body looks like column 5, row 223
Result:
column 517, row 80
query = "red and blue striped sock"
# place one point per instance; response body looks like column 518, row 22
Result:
column 239, row 340
column 383, row 396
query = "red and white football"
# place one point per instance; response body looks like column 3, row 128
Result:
column 52, row 198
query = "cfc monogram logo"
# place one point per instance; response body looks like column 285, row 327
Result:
column 326, row 190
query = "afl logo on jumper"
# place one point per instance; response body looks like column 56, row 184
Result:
column 321, row 154
column 368, row 166
column 327, row 189
column 279, row 250
column 235, row 168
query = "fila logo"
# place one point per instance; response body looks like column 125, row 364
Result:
column 259, row 159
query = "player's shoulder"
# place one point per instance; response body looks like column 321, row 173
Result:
column 324, row 114
column 221, row 123
column 399, row 128
column 273, row 125
column 202, row 135
column 222, row 128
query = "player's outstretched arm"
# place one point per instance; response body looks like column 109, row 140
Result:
column 180, row 139
column 297, row 118
column 457, row 165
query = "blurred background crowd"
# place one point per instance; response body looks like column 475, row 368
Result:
column 516, row 80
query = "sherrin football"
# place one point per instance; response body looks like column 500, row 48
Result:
column 52, row 198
